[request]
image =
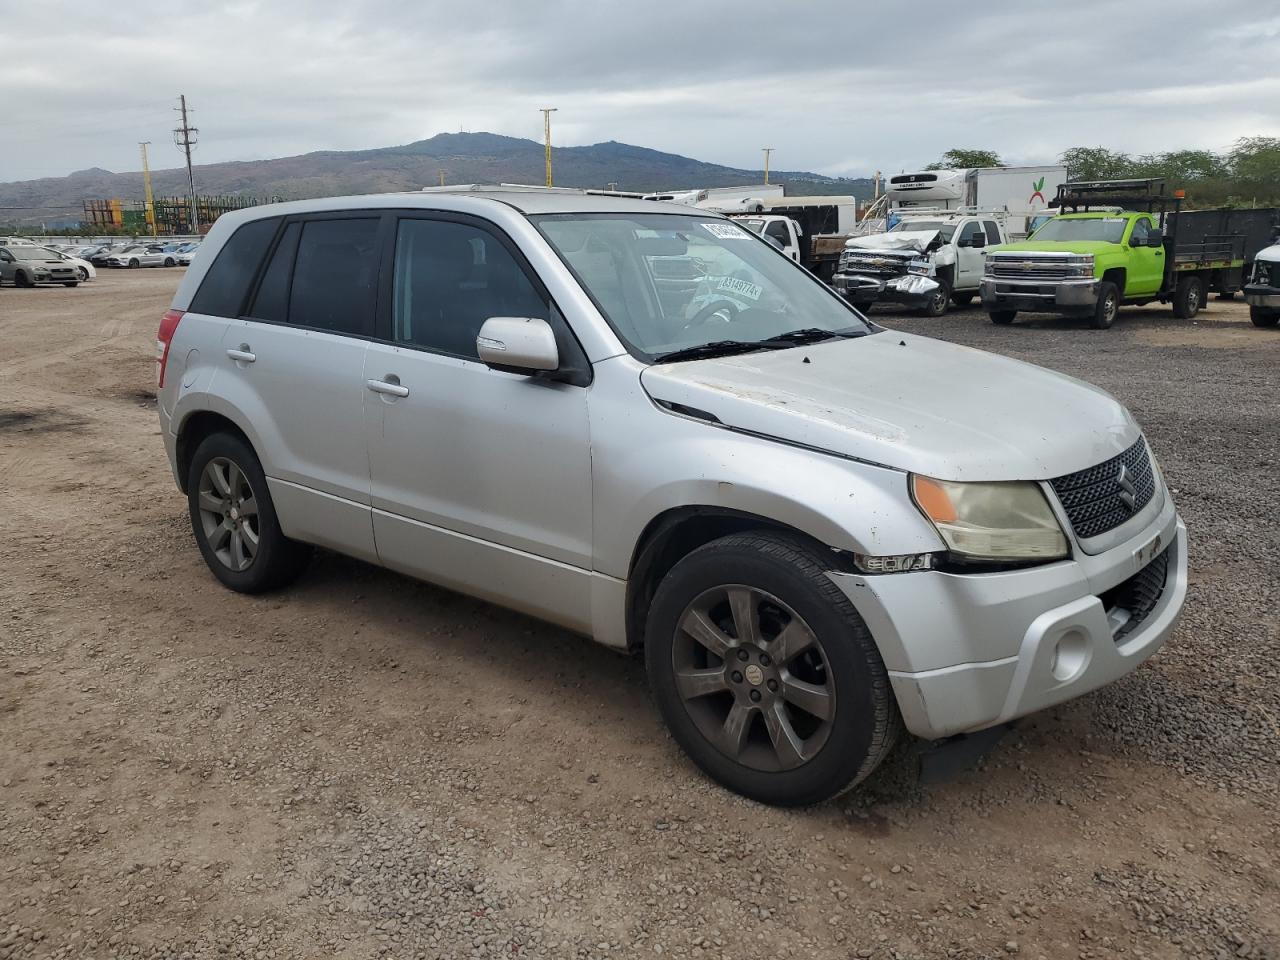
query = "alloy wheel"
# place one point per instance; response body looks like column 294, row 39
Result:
column 229, row 514
column 753, row 678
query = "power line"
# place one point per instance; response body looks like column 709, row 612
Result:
column 185, row 137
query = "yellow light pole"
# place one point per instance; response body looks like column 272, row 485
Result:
column 767, row 151
column 149, row 205
column 546, row 133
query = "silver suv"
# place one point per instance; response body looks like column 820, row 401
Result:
column 644, row 423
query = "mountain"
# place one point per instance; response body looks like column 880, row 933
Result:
column 464, row 158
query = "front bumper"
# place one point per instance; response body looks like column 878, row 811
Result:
column 1065, row 296
column 1259, row 296
column 967, row 652
column 864, row 288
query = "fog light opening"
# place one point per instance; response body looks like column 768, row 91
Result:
column 1070, row 655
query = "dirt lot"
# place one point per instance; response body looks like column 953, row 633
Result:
column 364, row 766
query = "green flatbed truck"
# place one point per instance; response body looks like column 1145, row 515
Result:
column 1113, row 242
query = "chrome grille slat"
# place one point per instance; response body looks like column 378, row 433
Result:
column 1093, row 498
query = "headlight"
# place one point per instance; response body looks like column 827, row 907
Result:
column 920, row 268
column 1080, row 266
column 991, row 521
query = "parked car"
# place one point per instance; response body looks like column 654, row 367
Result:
column 84, row 269
column 813, row 527
column 105, row 253
column 1262, row 290
column 25, row 265
column 141, row 256
column 186, row 252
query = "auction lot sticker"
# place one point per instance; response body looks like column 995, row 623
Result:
column 726, row 231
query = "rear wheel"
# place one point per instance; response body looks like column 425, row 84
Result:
column 234, row 520
column 1002, row 317
column 765, row 673
column 1262, row 317
column 1108, row 306
column 1188, row 297
column 169, row 261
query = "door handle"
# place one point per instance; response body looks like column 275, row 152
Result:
column 241, row 354
column 390, row 386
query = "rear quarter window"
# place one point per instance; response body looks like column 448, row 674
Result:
column 224, row 288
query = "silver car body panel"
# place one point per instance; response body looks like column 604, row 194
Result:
column 537, row 495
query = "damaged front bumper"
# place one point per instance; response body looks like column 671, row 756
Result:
column 861, row 288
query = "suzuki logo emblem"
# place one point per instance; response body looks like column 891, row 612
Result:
column 1127, row 490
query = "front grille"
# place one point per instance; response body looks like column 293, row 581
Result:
column 874, row 265
column 1103, row 497
column 1138, row 595
column 1032, row 268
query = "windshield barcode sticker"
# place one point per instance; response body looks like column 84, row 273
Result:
column 725, row 231
column 742, row 288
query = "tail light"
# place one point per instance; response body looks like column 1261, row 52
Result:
column 168, row 327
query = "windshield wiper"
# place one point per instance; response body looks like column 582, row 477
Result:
column 812, row 335
column 716, row 348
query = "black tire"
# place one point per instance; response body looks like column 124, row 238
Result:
column 1226, row 295
column 864, row 721
column 169, row 261
column 20, row 279
column 962, row 299
column 1104, row 314
column 71, row 283
column 277, row 559
column 134, row 263
column 1188, row 297
column 1002, row 317
column 936, row 305
column 1264, row 318
column 82, row 273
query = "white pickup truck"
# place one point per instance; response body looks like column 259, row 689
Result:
column 947, row 247
column 819, row 252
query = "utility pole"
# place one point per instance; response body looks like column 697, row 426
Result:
column 185, row 138
column 546, row 133
column 441, row 173
column 767, row 151
column 149, row 205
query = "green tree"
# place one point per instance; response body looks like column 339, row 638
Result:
column 959, row 159
column 1253, row 166
column 1096, row 163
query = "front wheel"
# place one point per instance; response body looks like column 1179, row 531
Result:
column 20, row 279
column 1188, row 297
column 764, row 672
column 234, row 519
column 82, row 273
column 134, row 263
column 938, row 301
column 169, row 261
column 1108, row 306
column 1262, row 317
column 1002, row 317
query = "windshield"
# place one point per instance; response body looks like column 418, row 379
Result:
column 668, row 282
column 29, row 253
column 947, row 230
column 752, row 224
column 1105, row 229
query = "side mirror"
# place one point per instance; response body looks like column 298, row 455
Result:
column 1155, row 238
column 518, row 345
column 978, row 240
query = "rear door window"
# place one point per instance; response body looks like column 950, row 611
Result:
column 223, row 291
column 272, row 299
column 335, row 276
column 778, row 230
column 993, row 232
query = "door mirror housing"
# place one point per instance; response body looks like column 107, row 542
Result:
column 979, row 239
column 1155, row 238
column 518, row 345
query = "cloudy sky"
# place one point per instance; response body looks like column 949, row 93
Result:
column 836, row 86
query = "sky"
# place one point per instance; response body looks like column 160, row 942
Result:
column 839, row 87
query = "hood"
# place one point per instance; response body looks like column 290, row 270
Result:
column 907, row 241
column 1095, row 247
column 908, row 402
column 1269, row 254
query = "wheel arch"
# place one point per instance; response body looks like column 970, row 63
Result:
column 195, row 428
column 1116, row 275
column 677, row 532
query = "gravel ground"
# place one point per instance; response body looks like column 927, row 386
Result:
column 364, row 766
